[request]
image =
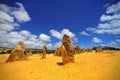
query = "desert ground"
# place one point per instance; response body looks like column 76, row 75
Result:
column 88, row 66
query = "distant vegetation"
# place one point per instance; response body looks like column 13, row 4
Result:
column 106, row 48
column 110, row 48
column 35, row 51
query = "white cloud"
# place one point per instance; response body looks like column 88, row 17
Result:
column 68, row 32
column 110, row 21
column 115, row 43
column 4, row 17
column 20, row 14
column 115, row 8
column 8, row 37
column 10, row 18
column 56, row 34
column 5, row 8
column 109, row 17
column 6, row 27
column 32, row 41
column 96, row 40
column 8, row 15
column 84, row 33
column 25, row 33
column 44, row 37
column 49, row 46
column 59, row 35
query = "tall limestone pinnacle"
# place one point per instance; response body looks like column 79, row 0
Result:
column 67, row 50
column 44, row 51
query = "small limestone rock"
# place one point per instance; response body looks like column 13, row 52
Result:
column 57, row 51
column 82, row 50
column 44, row 51
column 88, row 50
column 98, row 49
column 76, row 50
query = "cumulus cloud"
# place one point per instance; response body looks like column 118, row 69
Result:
column 25, row 33
column 32, row 41
column 8, row 15
column 84, row 33
column 20, row 13
column 44, row 37
column 115, row 43
column 49, row 46
column 109, row 21
column 4, row 17
column 12, row 17
column 96, row 40
column 60, row 34
column 56, row 34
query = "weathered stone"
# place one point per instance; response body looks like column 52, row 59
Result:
column 98, row 49
column 65, row 56
column 76, row 50
column 82, row 50
column 88, row 50
column 27, row 54
column 57, row 51
column 18, row 53
column 67, row 50
column 44, row 51
column 30, row 53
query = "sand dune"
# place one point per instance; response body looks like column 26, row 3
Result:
column 87, row 66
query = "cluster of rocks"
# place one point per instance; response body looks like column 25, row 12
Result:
column 98, row 49
column 75, row 49
column 88, row 50
column 82, row 50
column 66, row 51
column 20, row 53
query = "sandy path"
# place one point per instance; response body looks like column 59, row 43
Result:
column 87, row 66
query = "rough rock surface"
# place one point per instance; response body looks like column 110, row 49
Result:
column 57, row 51
column 18, row 53
column 98, row 49
column 82, row 50
column 76, row 50
column 67, row 50
column 44, row 51
column 88, row 50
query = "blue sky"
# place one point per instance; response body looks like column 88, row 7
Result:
column 89, row 23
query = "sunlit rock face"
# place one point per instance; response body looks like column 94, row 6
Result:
column 57, row 51
column 18, row 53
column 82, row 50
column 76, row 50
column 67, row 50
column 98, row 49
column 44, row 51
column 88, row 50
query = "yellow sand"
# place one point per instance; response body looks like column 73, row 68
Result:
column 87, row 66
